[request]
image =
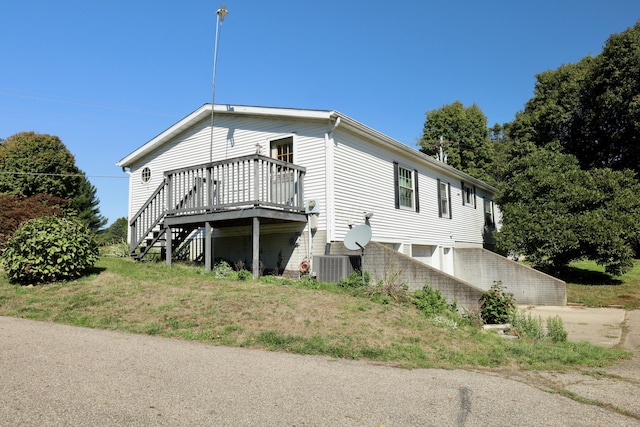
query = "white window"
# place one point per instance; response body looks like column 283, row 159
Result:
column 406, row 188
column 468, row 195
column 488, row 213
column 282, row 149
column 444, row 199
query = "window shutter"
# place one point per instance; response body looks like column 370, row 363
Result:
column 415, row 186
column 449, row 198
column 464, row 193
column 439, row 200
column 395, row 185
column 475, row 202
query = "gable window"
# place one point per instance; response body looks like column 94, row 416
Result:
column 444, row 199
column 406, row 188
column 145, row 175
column 468, row 195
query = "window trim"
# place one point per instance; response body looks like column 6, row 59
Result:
column 489, row 216
column 274, row 143
column 415, row 196
column 468, row 191
column 145, row 175
column 447, row 188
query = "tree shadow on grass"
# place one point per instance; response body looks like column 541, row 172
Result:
column 93, row 270
column 581, row 276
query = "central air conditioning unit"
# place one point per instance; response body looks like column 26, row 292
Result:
column 332, row 268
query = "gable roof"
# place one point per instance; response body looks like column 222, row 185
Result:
column 330, row 116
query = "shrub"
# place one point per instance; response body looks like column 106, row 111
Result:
column 18, row 210
column 222, row 270
column 431, row 302
column 245, row 275
column 496, row 305
column 355, row 280
column 49, row 249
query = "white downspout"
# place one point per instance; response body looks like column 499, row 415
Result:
column 130, row 199
column 329, row 167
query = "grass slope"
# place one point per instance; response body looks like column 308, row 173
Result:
column 588, row 284
column 302, row 317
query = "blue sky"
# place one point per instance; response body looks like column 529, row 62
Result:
column 108, row 76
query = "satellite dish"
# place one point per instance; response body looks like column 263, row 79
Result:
column 357, row 237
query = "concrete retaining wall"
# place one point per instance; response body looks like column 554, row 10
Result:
column 476, row 270
column 384, row 264
column 482, row 268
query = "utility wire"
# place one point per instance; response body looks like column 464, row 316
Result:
column 63, row 174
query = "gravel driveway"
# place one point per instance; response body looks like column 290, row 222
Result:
column 57, row 375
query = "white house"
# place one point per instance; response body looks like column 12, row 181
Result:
column 276, row 188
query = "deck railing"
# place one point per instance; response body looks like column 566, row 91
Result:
column 242, row 182
column 248, row 181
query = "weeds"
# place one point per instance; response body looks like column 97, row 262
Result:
column 431, row 302
column 555, row 329
column 528, row 326
column 532, row 328
column 496, row 305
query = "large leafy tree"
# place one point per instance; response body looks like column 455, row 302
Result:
column 555, row 212
column 590, row 108
column 461, row 134
column 32, row 163
column 608, row 114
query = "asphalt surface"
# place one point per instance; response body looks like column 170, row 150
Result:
column 57, row 375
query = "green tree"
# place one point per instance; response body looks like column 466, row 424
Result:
column 555, row 212
column 608, row 123
column 115, row 233
column 41, row 164
column 590, row 108
column 465, row 138
column 550, row 116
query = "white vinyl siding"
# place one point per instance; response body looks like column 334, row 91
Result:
column 367, row 184
column 233, row 137
column 362, row 179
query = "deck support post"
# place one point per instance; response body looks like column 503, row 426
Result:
column 208, row 247
column 169, row 235
column 256, row 248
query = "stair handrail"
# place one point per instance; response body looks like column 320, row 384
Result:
column 139, row 232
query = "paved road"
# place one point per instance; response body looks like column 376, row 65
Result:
column 57, row 375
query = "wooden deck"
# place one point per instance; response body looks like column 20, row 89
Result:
column 247, row 190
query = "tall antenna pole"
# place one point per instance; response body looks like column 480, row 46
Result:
column 221, row 13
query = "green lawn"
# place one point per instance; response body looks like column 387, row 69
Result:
column 588, row 284
column 282, row 315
